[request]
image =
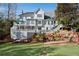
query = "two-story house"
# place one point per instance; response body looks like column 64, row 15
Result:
column 32, row 22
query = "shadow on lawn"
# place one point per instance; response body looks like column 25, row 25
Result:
column 26, row 51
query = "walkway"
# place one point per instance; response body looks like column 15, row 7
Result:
column 56, row 42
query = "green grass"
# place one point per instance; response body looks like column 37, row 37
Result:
column 38, row 49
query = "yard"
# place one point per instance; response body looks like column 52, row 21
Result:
column 38, row 49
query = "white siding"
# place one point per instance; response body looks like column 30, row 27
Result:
column 41, row 12
column 32, row 25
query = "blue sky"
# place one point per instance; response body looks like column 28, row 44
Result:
column 26, row 7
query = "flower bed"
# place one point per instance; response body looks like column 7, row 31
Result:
column 62, row 35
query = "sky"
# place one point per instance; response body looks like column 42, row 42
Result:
column 27, row 7
column 30, row 7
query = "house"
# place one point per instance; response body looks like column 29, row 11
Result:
column 32, row 22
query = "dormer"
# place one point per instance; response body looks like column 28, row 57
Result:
column 39, row 14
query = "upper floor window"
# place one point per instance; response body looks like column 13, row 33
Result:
column 28, row 22
column 28, row 17
column 54, row 22
column 51, row 22
column 39, row 15
column 17, row 27
column 39, row 28
column 44, row 22
column 22, row 27
column 32, row 22
column 39, row 22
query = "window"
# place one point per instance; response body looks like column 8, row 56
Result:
column 22, row 22
column 28, row 17
column 32, row 27
column 44, row 22
column 52, row 22
column 28, row 22
column 39, row 15
column 39, row 22
column 39, row 28
column 46, row 28
column 32, row 22
column 21, row 27
column 17, row 27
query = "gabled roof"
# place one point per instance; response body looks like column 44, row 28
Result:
column 49, row 14
column 38, row 10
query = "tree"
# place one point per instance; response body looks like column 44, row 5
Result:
column 11, row 11
column 5, row 26
column 66, row 13
column 6, row 23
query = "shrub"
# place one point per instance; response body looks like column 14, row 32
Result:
column 40, row 37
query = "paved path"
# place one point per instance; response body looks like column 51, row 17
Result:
column 56, row 42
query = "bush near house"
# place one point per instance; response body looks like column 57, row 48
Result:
column 5, row 26
column 39, row 38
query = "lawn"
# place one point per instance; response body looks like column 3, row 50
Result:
column 38, row 49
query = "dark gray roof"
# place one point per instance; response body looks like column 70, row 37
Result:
column 50, row 13
column 27, row 13
column 30, row 13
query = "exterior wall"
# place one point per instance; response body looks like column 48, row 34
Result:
column 31, row 22
column 39, row 22
column 28, row 32
column 17, row 33
column 13, row 33
column 31, row 26
column 49, row 25
column 35, row 16
column 21, row 35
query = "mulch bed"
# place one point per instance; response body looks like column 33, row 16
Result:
column 56, row 42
